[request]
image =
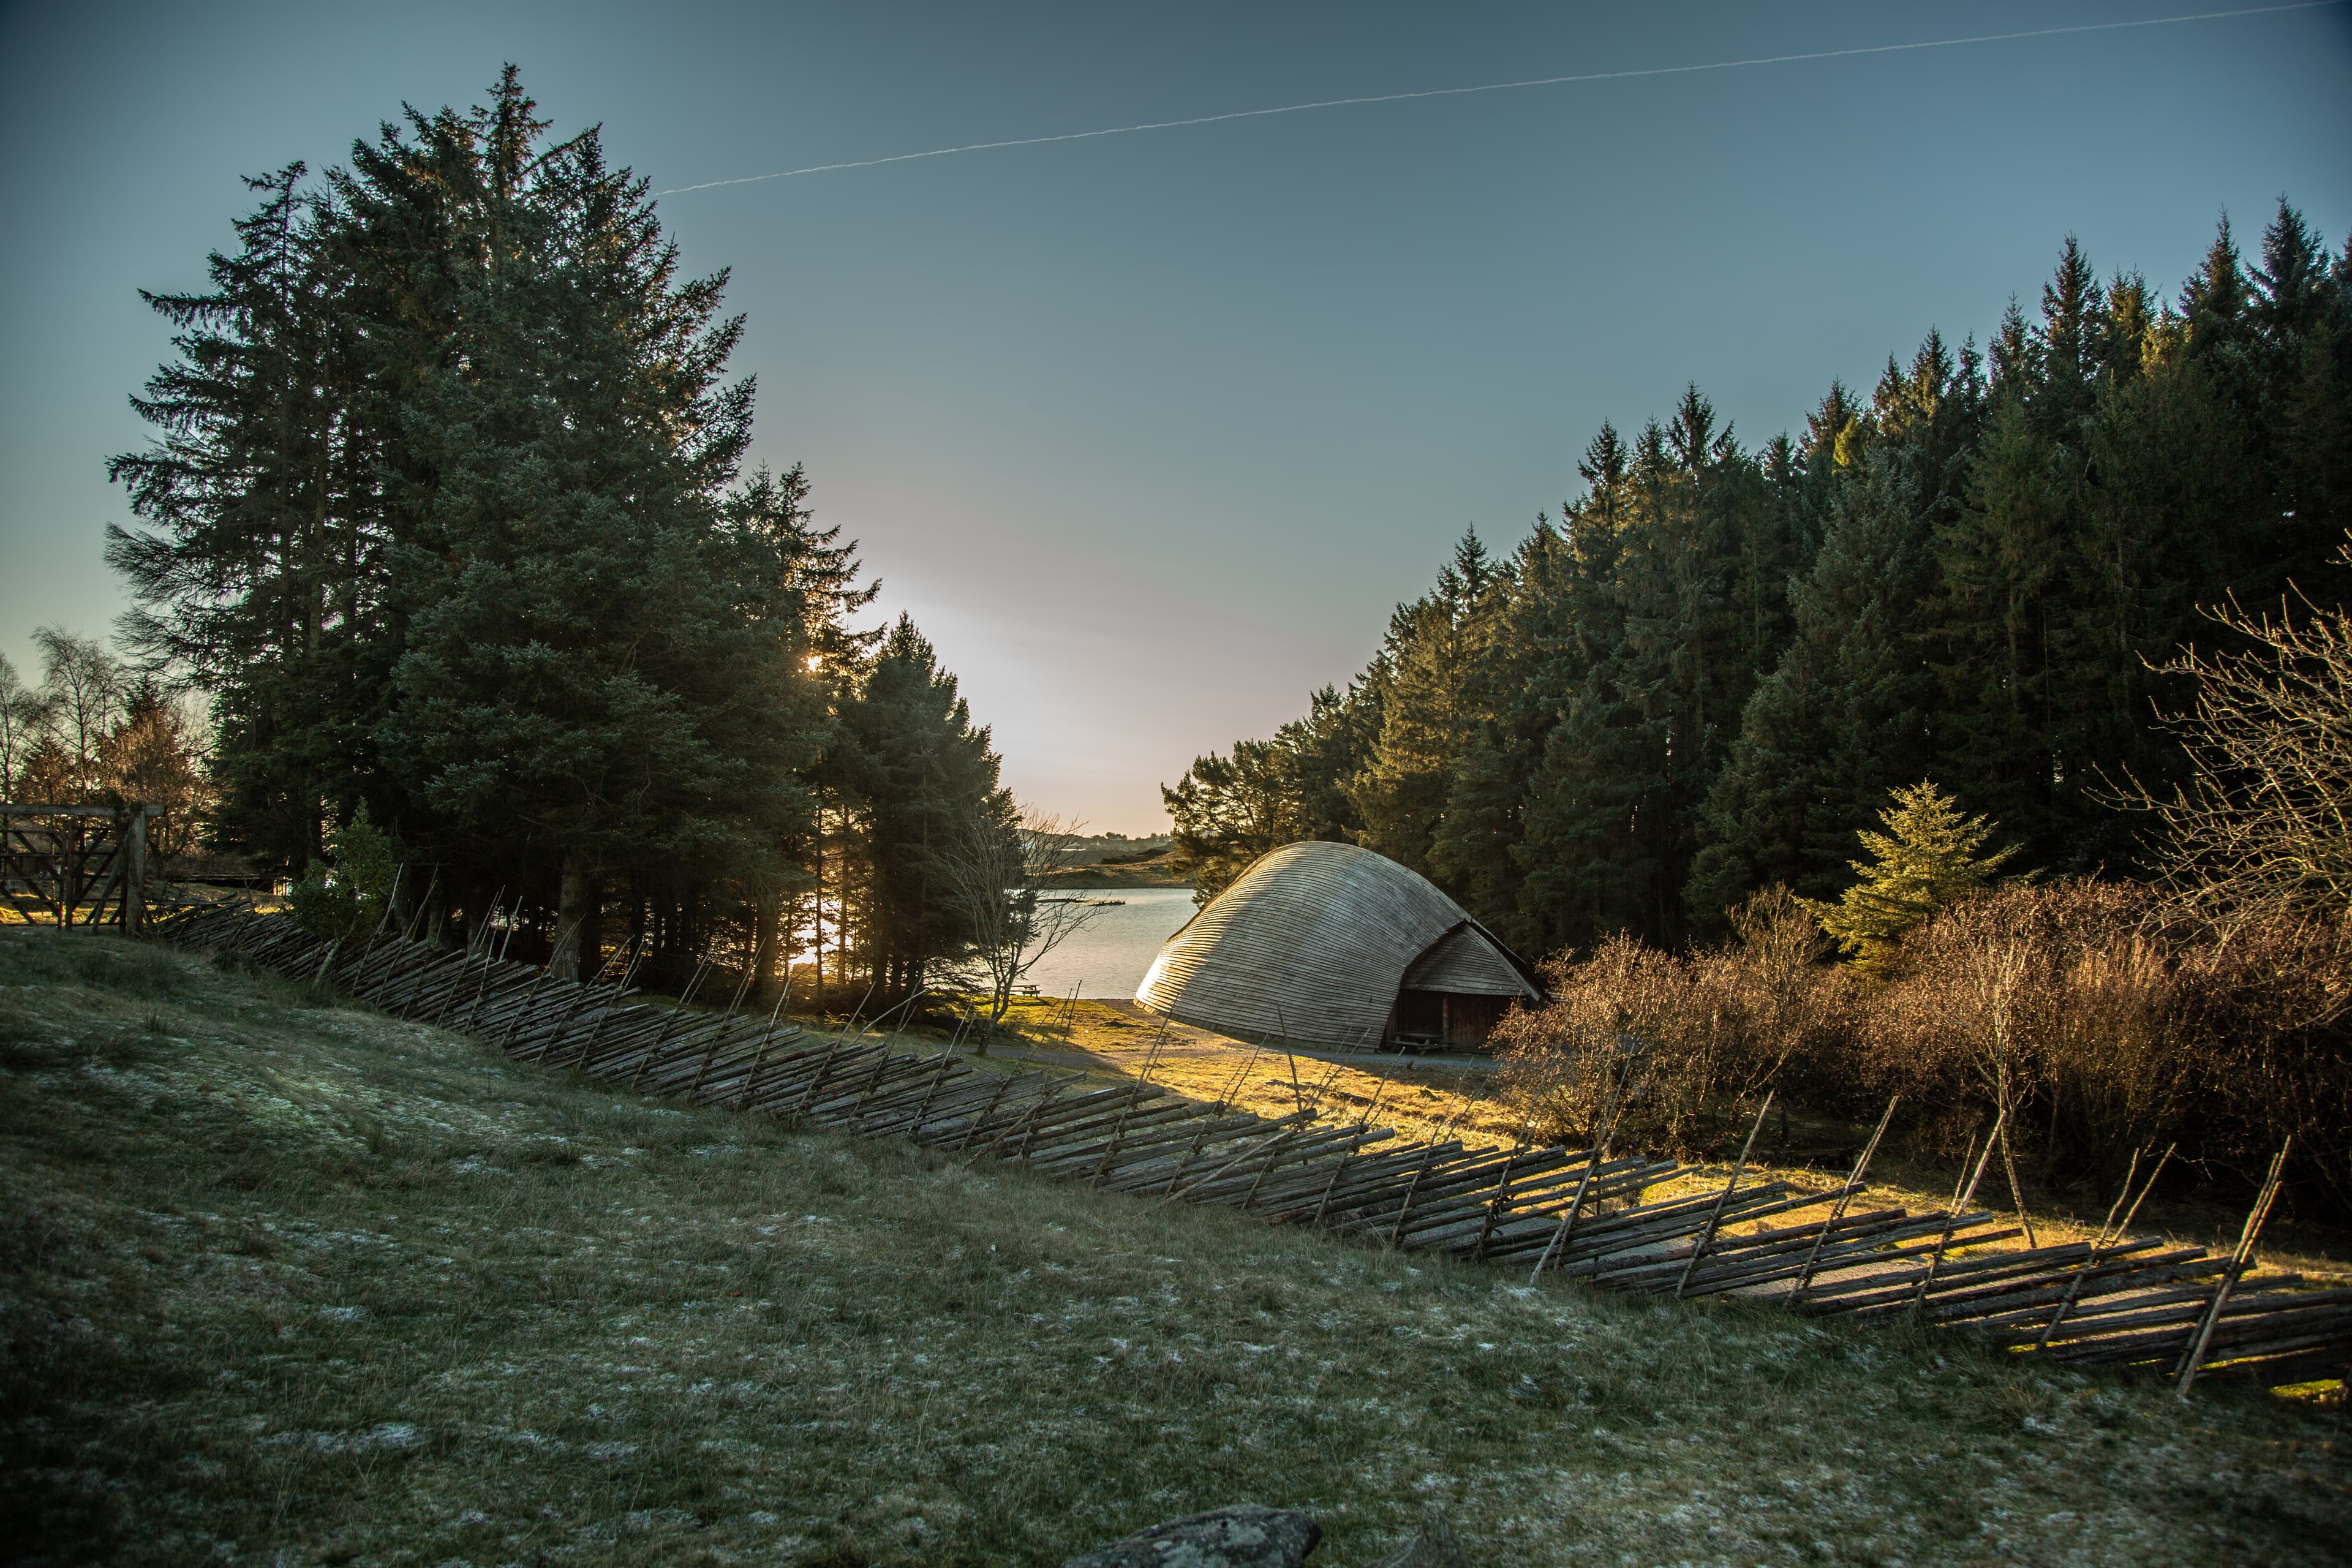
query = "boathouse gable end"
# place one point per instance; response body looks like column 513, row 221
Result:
column 1332, row 946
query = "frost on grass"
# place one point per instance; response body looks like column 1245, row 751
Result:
column 292, row 1284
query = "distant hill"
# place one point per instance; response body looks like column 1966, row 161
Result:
column 1155, row 872
column 1115, row 860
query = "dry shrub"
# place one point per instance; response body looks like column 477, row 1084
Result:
column 2112, row 1025
column 1678, row 1042
column 2103, row 1019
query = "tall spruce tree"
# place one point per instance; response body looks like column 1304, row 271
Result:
column 1431, row 700
column 583, row 684
column 442, row 512
column 924, row 775
column 2136, row 466
column 258, row 574
column 1848, row 707
column 1848, row 712
column 1612, row 809
column 1529, row 660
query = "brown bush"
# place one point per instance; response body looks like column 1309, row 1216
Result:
column 2102, row 1020
column 1678, row 1042
column 2114, row 1026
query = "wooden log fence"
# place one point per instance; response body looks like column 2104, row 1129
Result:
column 2115, row 1301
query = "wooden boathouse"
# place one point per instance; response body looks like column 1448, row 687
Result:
column 1332, row 946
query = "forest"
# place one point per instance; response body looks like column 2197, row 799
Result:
column 1647, row 742
column 1703, row 675
column 446, row 518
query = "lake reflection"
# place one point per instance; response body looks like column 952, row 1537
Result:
column 1107, row 956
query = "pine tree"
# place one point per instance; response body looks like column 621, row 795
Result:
column 1615, row 808
column 803, row 583
column 441, row 512
column 2303, row 318
column 1702, row 679
column 1845, row 714
column 348, row 902
column 256, row 577
column 1926, row 860
column 1429, row 704
column 1849, row 709
column 1564, row 625
column 923, row 775
column 2316, row 420
column 2213, row 300
column 1324, row 751
column 1524, row 668
column 1228, row 810
column 593, row 681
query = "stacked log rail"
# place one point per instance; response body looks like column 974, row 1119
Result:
column 2141, row 1302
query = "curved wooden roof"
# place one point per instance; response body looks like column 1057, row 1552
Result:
column 1311, row 944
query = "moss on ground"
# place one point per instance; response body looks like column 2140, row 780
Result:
column 286, row 1282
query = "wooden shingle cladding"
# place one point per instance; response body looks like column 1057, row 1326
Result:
column 1316, row 943
column 1468, row 963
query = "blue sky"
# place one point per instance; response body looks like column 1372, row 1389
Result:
column 1150, row 431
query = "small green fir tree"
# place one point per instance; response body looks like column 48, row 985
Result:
column 1925, row 861
column 346, row 901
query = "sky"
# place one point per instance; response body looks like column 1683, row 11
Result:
column 1150, row 431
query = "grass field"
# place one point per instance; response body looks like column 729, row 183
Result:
column 290, row 1283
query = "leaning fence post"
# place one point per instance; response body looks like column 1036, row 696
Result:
column 1716, row 1214
column 1597, row 1157
column 1837, row 1212
column 2109, row 1230
column 2230, row 1276
column 1962, row 1197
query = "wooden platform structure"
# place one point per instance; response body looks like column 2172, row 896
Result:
column 74, row 865
column 1333, row 947
column 2116, row 1301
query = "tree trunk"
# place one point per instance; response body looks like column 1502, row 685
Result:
column 591, row 930
column 572, row 918
column 767, row 915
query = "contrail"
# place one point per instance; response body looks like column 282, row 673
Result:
column 1509, row 87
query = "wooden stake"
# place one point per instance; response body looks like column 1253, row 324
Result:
column 1960, row 1201
column 2016, row 1193
column 1707, row 1235
column 1298, row 1100
column 2230, row 1276
column 2108, row 1231
column 1852, row 1185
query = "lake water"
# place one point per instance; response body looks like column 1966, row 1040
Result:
column 1106, row 957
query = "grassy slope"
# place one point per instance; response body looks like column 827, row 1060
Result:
column 319, row 1285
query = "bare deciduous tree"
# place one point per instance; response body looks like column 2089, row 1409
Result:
column 1001, row 879
column 24, row 718
column 82, row 687
column 2262, row 828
